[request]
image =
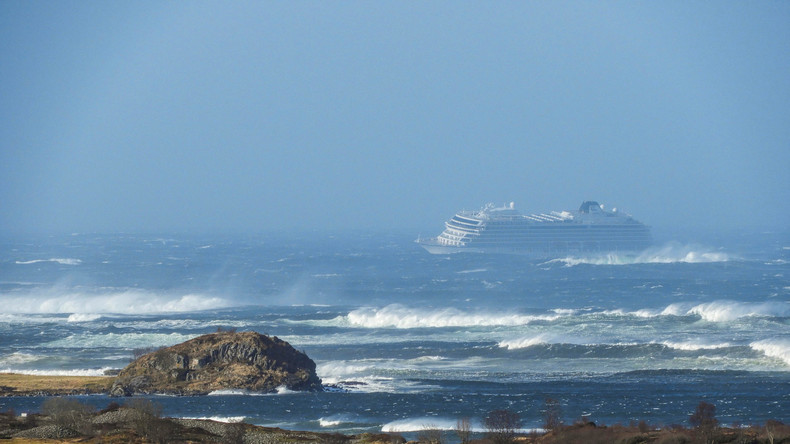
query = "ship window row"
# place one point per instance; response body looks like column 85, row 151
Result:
column 464, row 220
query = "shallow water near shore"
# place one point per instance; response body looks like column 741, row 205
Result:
column 409, row 340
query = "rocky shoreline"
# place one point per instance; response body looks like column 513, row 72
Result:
column 216, row 361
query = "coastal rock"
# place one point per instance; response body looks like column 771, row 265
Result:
column 216, row 361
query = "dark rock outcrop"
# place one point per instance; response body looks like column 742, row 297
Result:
column 217, row 361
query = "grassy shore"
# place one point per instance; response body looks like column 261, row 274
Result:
column 13, row 384
column 67, row 421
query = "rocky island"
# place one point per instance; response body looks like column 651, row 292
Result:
column 219, row 361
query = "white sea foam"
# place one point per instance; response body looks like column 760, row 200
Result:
column 666, row 254
column 226, row 419
column 723, row 311
column 325, row 422
column 18, row 358
column 694, row 345
column 332, row 372
column 419, row 423
column 525, row 342
column 83, row 317
column 61, row 261
column 475, row 270
column 775, row 348
column 235, row 392
column 59, row 372
column 715, row 311
column 120, row 340
column 399, row 316
column 123, row 301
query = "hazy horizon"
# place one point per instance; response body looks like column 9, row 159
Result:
column 265, row 116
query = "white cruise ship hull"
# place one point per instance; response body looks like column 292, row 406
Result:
column 591, row 230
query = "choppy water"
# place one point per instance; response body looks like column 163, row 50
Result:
column 417, row 340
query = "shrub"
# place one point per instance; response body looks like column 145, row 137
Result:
column 68, row 413
column 552, row 414
column 430, row 434
column 463, row 429
column 148, row 421
column 704, row 420
column 502, row 425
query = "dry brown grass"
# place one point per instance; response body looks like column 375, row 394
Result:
column 16, row 384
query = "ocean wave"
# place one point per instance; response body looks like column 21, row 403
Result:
column 330, row 422
column 83, row 317
column 419, row 424
column 61, row 261
column 59, row 372
column 122, row 302
column 724, row 311
column 19, row 358
column 226, row 419
column 235, row 392
column 119, row 340
column 526, row 342
column 667, row 254
column 694, row 346
column 715, row 311
column 774, row 348
column 399, row 316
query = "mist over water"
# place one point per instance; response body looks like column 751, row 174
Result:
column 405, row 338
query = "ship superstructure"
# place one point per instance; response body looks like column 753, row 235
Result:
column 591, row 229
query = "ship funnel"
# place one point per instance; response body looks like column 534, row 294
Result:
column 512, row 205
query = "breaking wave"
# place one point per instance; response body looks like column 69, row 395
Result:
column 724, row 311
column 402, row 317
column 226, row 419
column 667, row 254
column 694, row 346
column 87, row 305
column 399, row 316
column 120, row 340
column 529, row 341
column 61, row 261
column 418, row 424
column 774, row 348
column 61, row 372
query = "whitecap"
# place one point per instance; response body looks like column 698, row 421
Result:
column 120, row 340
column 419, row 424
column 724, row 311
column 83, row 317
column 19, row 358
column 525, row 342
column 694, row 345
column 235, row 392
column 399, row 316
column 61, row 261
column 59, row 372
column 226, row 419
column 774, row 348
column 667, row 254
column 55, row 300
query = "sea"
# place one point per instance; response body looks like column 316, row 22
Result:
column 407, row 341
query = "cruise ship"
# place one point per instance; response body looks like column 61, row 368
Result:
column 590, row 230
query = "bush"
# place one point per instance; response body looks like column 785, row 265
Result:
column 552, row 414
column 68, row 413
column 502, row 425
column 430, row 434
column 704, row 420
column 148, row 422
column 463, row 429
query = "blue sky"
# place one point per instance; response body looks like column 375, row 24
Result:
column 255, row 116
